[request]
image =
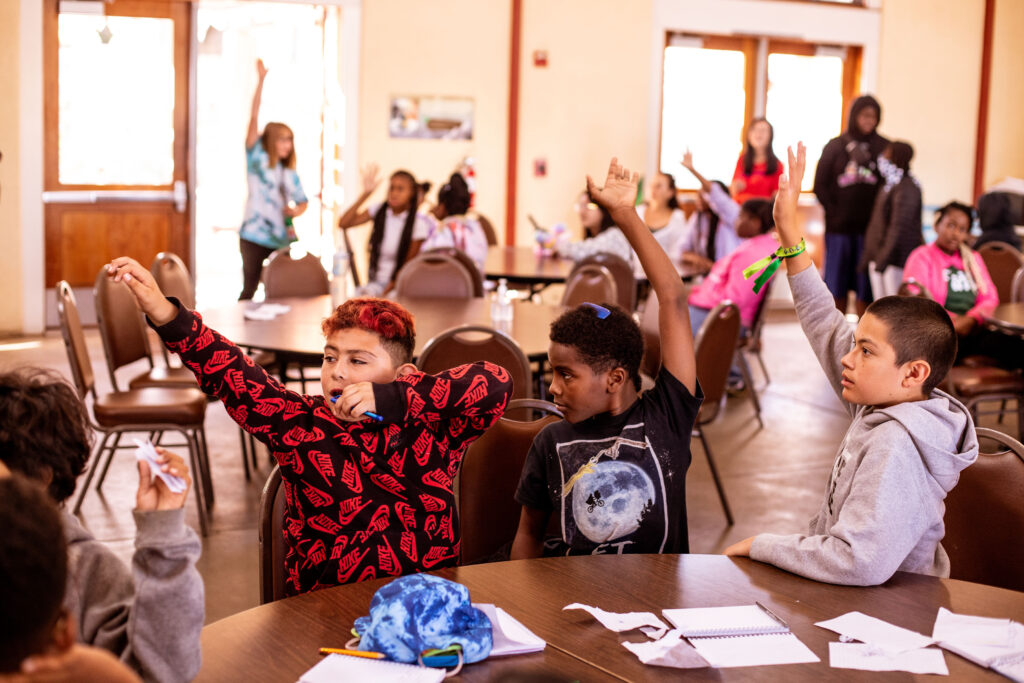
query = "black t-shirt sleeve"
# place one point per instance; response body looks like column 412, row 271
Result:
column 673, row 405
column 533, row 490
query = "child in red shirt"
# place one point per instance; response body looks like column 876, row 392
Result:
column 364, row 498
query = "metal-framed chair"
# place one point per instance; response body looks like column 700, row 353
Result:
column 714, row 349
column 284, row 276
column 485, row 485
column 436, row 274
column 271, row 534
column 1002, row 261
column 471, row 267
column 625, row 280
column 153, row 410
column 470, row 343
column 590, row 282
column 984, row 517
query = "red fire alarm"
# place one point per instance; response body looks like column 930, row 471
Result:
column 540, row 57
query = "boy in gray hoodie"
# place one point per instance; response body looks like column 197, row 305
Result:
column 149, row 615
column 883, row 508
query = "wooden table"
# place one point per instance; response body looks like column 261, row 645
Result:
column 297, row 332
column 278, row 641
column 1008, row 318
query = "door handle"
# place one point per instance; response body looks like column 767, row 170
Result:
column 178, row 196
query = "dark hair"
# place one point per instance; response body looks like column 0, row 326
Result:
column 995, row 211
column 762, row 210
column 377, row 235
column 771, row 161
column 955, row 206
column 454, row 195
column 918, row 329
column 606, row 218
column 389, row 320
column 44, row 428
column 34, row 566
column 902, row 153
column 615, row 341
column 673, row 202
column 710, row 249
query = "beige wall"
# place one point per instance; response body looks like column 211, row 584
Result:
column 928, row 85
column 444, row 47
column 588, row 104
column 1004, row 151
column 10, row 216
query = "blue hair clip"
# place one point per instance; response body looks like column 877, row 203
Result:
column 602, row 312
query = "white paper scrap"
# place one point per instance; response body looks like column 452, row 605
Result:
column 670, row 650
column 964, row 629
column 870, row 658
column 876, row 632
column 625, row 621
column 145, row 451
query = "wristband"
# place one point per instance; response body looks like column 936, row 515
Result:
column 770, row 263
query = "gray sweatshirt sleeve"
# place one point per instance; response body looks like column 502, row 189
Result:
column 881, row 521
column 150, row 617
column 824, row 326
column 167, row 618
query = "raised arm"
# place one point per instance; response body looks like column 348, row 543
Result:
column 254, row 130
column 688, row 165
column 618, row 196
column 355, row 214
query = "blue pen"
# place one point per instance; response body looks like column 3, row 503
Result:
column 369, row 414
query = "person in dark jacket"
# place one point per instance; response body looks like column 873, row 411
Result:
column 846, row 183
column 895, row 227
column 995, row 214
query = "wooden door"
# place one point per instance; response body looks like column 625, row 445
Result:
column 116, row 96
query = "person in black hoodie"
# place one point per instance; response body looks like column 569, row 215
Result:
column 846, row 183
column 995, row 214
column 895, row 227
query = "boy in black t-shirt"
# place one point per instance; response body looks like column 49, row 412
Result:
column 614, row 470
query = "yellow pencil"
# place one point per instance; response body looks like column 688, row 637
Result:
column 353, row 653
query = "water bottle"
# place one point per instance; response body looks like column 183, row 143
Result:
column 339, row 277
column 501, row 307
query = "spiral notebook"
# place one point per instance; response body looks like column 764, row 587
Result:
column 743, row 635
column 333, row 668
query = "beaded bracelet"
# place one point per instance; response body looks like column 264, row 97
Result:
column 770, row 264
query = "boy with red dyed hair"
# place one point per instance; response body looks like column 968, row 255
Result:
column 364, row 498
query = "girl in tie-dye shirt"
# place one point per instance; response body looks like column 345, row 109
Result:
column 275, row 193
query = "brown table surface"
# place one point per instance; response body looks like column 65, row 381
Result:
column 279, row 641
column 1009, row 317
column 522, row 265
column 298, row 330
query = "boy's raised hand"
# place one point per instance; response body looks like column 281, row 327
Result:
column 785, row 209
column 620, row 187
column 144, row 288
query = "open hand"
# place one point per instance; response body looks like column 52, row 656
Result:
column 153, row 493
column 687, row 161
column 789, row 188
column 77, row 663
column 144, row 288
column 355, row 400
column 371, row 178
column 261, row 69
column 620, row 187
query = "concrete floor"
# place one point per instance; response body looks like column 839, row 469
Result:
column 774, row 477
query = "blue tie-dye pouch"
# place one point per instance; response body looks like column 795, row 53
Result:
column 416, row 613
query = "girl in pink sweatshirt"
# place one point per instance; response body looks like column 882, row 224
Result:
column 725, row 281
column 953, row 273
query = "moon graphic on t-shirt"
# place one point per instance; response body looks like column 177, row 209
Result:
column 608, row 503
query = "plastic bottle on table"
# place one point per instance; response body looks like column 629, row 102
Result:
column 501, row 307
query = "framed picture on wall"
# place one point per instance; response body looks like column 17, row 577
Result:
column 432, row 118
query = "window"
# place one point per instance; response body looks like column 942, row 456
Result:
column 713, row 85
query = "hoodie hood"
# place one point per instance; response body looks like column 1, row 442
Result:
column 858, row 105
column 941, row 429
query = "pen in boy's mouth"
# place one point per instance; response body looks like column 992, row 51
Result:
column 372, row 415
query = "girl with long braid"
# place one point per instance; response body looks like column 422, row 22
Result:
column 398, row 229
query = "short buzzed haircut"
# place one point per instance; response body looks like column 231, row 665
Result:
column 918, row 329
column 602, row 343
column 33, row 570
